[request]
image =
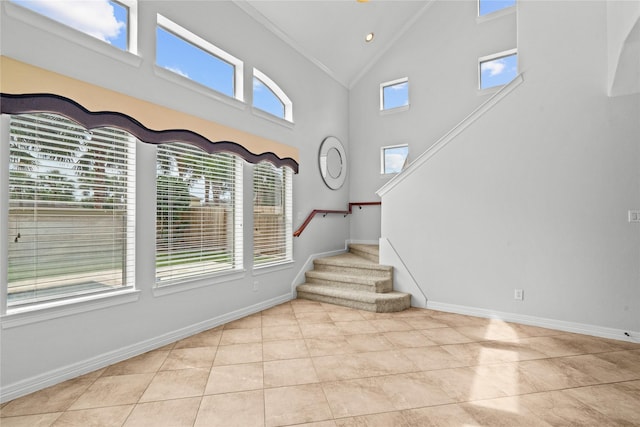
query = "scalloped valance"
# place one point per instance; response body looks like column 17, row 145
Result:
column 29, row 89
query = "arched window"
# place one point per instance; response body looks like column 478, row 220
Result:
column 267, row 96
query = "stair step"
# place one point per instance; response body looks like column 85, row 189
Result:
column 350, row 281
column 370, row 252
column 352, row 264
column 370, row 301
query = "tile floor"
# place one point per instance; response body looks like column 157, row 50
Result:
column 313, row 364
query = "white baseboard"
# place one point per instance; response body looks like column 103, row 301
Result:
column 560, row 325
column 47, row 379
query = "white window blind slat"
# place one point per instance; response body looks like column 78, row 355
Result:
column 71, row 209
column 199, row 213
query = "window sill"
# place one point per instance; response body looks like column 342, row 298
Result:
column 395, row 110
column 197, row 87
column 270, row 117
column 201, row 282
column 80, row 38
column 52, row 310
column 511, row 10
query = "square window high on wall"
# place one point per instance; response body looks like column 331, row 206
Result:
column 486, row 7
column 394, row 95
column 114, row 22
column 497, row 69
column 393, row 158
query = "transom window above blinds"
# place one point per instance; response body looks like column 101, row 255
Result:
column 272, row 215
column 71, row 209
column 199, row 213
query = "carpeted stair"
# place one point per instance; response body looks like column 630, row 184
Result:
column 354, row 279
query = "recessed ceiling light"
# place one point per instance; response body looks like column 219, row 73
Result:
column 368, row 37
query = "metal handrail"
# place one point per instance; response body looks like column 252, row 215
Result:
column 313, row 213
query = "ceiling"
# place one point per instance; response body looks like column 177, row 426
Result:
column 331, row 33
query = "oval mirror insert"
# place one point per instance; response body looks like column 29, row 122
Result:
column 333, row 162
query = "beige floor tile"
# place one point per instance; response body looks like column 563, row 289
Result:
column 176, row 385
column 387, row 419
column 346, row 316
column 503, row 376
column 391, row 325
column 493, row 331
column 284, row 349
column 319, row 330
column 455, row 320
column 51, row 399
column 238, row 353
column 185, row 358
column 249, row 322
column 440, row 416
column 558, row 408
column 502, row 412
column 209, row 338
column 464, row 384
column 624, row 360
column 234, row 378
column 430, row 358
column 145, row 363
column 553, row 374
column 421, row 323
column 445, row 336
column 112, row 416
column 618, row 402
column 295, row 405
column 306, row 306
column 598, row 367
column 241, row 336
column 112, row 391
column 274, row 333
column 285, row 308
column 356, row 327
column 361, row 365
column 408, row 339
column 356, row 397
column 585, row 344
column 279, row 320
column 414, row 390
column 488, row 352
column 329, row 346
column 368, row 342
column 174, row 413
column 313, row 317
column 39, row 420
column 242, row 409
column 288, row 372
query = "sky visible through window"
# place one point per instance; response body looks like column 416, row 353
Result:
column 394, row 158
column 489, row 6
column 499, row 71
column 102, row 19
column 395, row 96
column 188, row 60
column 266, row 100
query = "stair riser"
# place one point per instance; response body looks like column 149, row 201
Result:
column 367, row 255
column 381, row 307
column 380, row 287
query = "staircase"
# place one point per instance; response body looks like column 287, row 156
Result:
column 354, row 279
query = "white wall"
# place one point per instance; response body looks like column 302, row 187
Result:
column 38, row 354
column 532, row 196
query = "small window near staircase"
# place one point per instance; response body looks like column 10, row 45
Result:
column 393, row 159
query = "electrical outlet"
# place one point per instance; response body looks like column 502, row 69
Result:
column 634, row 216
column 518, row 294
column 255, row 286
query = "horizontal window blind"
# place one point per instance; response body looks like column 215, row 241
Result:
column 71, row 209
column 272, row 215
column 199, row 213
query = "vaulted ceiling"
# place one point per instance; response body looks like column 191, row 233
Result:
column 331, row 33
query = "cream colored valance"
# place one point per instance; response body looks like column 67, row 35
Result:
column 28, row 89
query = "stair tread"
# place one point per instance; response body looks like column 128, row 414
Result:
column 362, row 247
column 350, row 294
column 345, row 277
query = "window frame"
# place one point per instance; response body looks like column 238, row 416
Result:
column 70, row 302
column 493, row 57
column 278, row 92
column 392, row 83
column 383, row 158
column 498, row 12
column 70, row 33
column 199, row 42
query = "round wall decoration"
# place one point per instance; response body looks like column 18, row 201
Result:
column 333, row 162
